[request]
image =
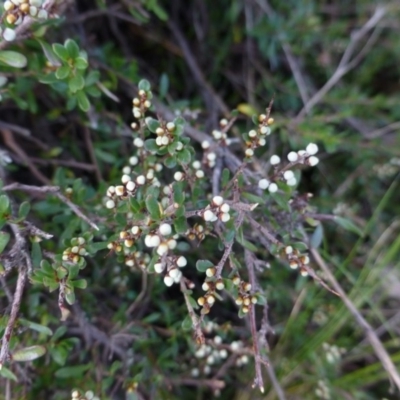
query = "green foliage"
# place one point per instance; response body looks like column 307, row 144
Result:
column 186, row 254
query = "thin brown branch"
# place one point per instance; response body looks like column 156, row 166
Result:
column 196, row 321
column 5, row 343
column 346, row 63
column 55, row 190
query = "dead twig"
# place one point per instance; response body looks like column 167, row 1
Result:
column 56, row 191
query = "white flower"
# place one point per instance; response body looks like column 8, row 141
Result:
column 119, row 190
column 141, row 180
column 152, row 240
column 292, row 182
column 217, row 134
column 181, row 262
column 249, row 152
column 199, row 174
column 205, row 144
column 173, row 273
column 9, row 34
column 313, row 161
column 273, row 187
column 162, row 249
column 165, row 140
column 178, row 176
column 110, row 204
column 265, row 130
column 252, row 133
column 312, row 149
column 158, row 267
column 293, row 156
column 275, row 160
column 168, row 281
column 133, row 160
column 138, row 142
column 225, row 208
column 263, row 184
column 211, row 156
column 165, row 229
column 217, row 200
column 209, row 216
column 170, row 126
column 288, row 175
column 225, row 217
column 196, row 164
column 125, row 179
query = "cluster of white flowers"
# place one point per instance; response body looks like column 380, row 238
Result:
column 15, row 12
column 173, row 265
column 297, row 260
column 244, row 298
column 333, row 353
column 140, row 105
column 218, row 209
column 129, row 184
column 306, row 157
column 89, row 395
column 322, row 391
column 76, row 251
column 210, row 156
column 165, row 136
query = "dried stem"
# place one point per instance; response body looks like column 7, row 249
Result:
column 52, row 190
column 5, row 343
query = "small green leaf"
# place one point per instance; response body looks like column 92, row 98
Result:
column 70, row 297
column 72, row 48
column 6, row 373
column 170, row 162
column 13, row 59
column 317, row 236
column 24, row 209
column 4, row 239
column 72, row 372
column 180, row 224
column 253, row 198
column 49, row 53
column 46, row 267
column 203, row 265
column 246, row 244
column 151, row 145
column 187, row 323
column 83, row 101
column 348, row 225
column 152, row 124
column 179, row 194
column 184, row 156
column 153, row 207
column 144, row 85
column 81, row 63
column 80, row 284
column 92, row 77
column 4, row 204
column 36, row 327
column 63, row 72
column 29, row 353
column 76, row 83
column 60, row 51
column 163, row 86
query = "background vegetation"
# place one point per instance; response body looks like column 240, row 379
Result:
column 331, row 68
